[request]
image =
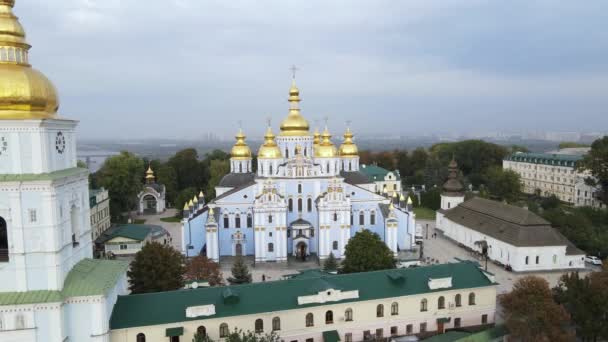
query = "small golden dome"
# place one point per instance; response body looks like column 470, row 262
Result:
column 269, row 150
column 348, row 147
column 240, row 150
column 294, row 124
column 326, row 148
column 150, row 174
column 316, row 138
column 25, row 93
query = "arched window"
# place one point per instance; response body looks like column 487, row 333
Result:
column 380, row 310
column 290, row 204
column 372, row 219
column 449, row 205
column 226, row 221
column 309, row 204
column 249, row 221
column 441, row 303
column 237, row 221
column 3, row 240
column 286, row 153
column 348, row 314
column 299, row 188
column 270, row 247
column 201, row 331
column 394, row 309
column 310, row 321
column 423, row 305
column 471, row 298
column 19, row 321
column 259, row 325
column 335, row 217
column 527, row 259
column 327, row 168
column 361, row 218
column 224, row 330
column 458, row 300
column 335, row 245
column 270, row 169
column 329, row 317
column 352, row 218
column 141, row 337
column 269, row 218
column 276, row 324
column 240, row 168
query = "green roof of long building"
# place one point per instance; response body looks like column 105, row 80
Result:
column 170, row 307
column 545, row 158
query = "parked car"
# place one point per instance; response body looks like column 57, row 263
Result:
column 593, row 260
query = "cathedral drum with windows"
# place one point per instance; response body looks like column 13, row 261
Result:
column 307, row 198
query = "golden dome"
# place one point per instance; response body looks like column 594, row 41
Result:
column 269, row 150
column 348, row 147
column 240, row 150
column 25, row 93
column 326, row 148
column 317, row 138
column 294, row 124
column 150, row 174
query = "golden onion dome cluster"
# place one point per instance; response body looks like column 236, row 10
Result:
column 25, row 93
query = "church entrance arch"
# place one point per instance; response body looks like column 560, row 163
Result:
column 301, row 250
column 149, row 204
column 238, row 249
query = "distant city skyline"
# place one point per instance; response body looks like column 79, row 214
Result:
column 128, row 70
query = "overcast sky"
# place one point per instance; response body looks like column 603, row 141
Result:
column 181, row 68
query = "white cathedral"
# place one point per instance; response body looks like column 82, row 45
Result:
column 50, row 287
column 307, row 198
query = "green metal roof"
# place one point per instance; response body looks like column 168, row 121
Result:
column 377, row 173
column 137, row 232
column 170, row 307
column 545, row 158
column 331, row 336
column 450, row 336
column 488, row 335
column 89, row 277
column 42, row 176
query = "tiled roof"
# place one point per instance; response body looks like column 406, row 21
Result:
column 513, row 225
column 545, row 158
column 170, row 307
column 89, row 277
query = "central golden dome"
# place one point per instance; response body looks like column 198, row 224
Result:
column 240, row 150
column 25, row 93
column 269, row 150
column 294, row 124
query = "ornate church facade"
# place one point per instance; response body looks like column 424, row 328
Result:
column 307, row 197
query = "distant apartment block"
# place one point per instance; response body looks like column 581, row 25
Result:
column 99, row 201
column 553, row 174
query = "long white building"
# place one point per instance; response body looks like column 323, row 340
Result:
column 511, row 235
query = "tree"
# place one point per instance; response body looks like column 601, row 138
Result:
column 201, row 268
column 503, row 184
column 431, row 198
column 331, row 264
column 240, row 272
column 586, row 300
column 184, row 197
column 596, row 162
column 531, row 314
column 156, row 268
column 122, row 176
column 190, row 171
column 166, row 175
column 247, row 336
column 217, row 170
column 366, row 252
column 550, row 202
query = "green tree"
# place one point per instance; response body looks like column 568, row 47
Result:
column 240, row 272
column 156, row 268
column 596, row 162
column 330, row 264
column 503, row 184
column 166, row 175
column 217, row 170
column 571, row 144
column 531, row 314
column 366, row 252
column 239, row 335
column 184, row 197
column 431, row 198
column 550, row 202
column 189, row 170
column 201, row 268
column 122, row 175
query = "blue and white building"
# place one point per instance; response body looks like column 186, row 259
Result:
column 307, row 197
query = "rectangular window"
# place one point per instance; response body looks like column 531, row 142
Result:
column 409, row 329
column 379, row 333
column 393, row 331
column 484, row 319
column 310, row 340
column 348, row 337
column 422, row 328
column 367, row 335
column 361, row 218
column 33, row 217
column 123, row 247
column 537, row 259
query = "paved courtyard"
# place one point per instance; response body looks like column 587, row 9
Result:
column 174, row 228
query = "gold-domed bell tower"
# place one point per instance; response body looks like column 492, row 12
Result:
column 240, row 155
column 269, row 155
column 327, row 155
column 349, row 153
